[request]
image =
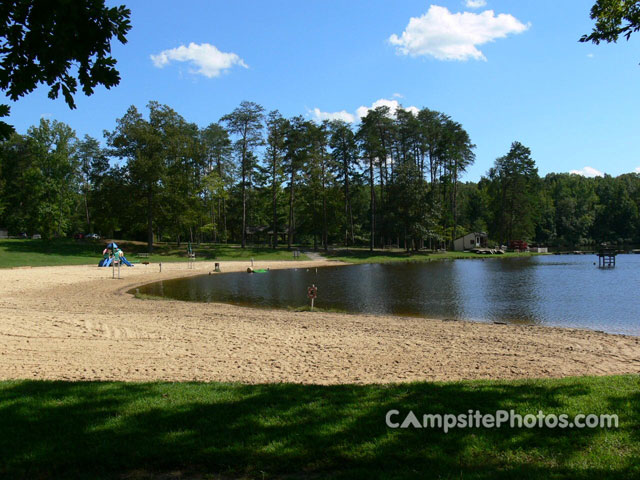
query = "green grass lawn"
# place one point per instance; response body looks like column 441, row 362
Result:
column 361, row 255
column 87, row 430
column 36, row 253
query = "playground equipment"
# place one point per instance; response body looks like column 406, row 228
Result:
column 191, row 257
column 112, row 255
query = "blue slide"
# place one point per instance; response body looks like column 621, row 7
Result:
column 126, row 262
column 107, row 262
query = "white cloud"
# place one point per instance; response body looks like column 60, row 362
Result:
column 397, row 95
column 637, row 170
column 475, row 3
column 209, row 61
column 383, row 102
column 454, row 36
column 590, row 55
column 361, row 111
column 341, row 115
column 588, row 172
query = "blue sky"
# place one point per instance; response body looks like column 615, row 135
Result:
column 515, row 73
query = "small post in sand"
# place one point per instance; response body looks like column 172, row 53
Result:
column 113, row 268
column 312, row 293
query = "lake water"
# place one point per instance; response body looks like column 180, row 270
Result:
column 561, row 290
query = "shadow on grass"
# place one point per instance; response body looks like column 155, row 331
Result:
column 376, row 255
column 83, row 248
column 58, row 247
column 107, row 430
column 92, row 250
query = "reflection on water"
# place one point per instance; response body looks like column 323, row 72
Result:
column 551, row 290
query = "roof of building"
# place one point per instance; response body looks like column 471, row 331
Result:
column 475, row 234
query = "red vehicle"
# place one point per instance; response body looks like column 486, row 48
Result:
column 519, row 245
column 78, row 236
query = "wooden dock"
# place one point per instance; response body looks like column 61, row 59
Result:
column 606, row 258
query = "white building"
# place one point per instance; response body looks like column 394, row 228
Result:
column 470, row 241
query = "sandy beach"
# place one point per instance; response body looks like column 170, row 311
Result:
column 77, row 323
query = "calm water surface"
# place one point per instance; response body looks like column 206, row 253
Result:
column 562, row 290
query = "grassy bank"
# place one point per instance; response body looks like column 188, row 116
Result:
column 384, row 256
column 128, row 430
column 36, row 253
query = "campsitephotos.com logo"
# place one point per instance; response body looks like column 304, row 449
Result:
column 499, row 419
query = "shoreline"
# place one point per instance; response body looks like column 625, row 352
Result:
column 76, row 323
column 329, row 262
column 378, row 256
column 321, row 310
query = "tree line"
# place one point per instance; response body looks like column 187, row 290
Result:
column 258, row 177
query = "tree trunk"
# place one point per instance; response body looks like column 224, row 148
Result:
column 213, row 221
column 274, row 194
column 86, row 209
column 291, row 218
column 454, row 204
column 383, row 177
column 347, row 202
column 324, row 210
column 444, row 209
column 221, row 204
column 404, row 239
column 353, row 240
column 244, row 209
column 382, row 203
column 224, row 218
column 150, row 220
column 373, row 206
